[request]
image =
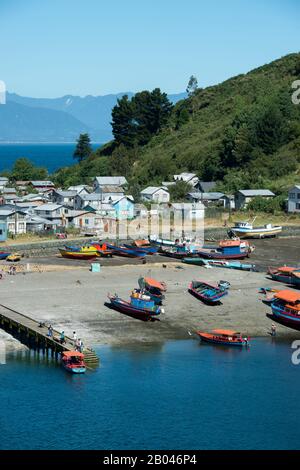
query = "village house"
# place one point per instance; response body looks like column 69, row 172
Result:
column 208, row 198
column 102, row 181
column 3, row 231
column 14, row 220
column 59, row 215
column 155, row 194
column 188, row 211
column 244, row 196
column 80, row 189
column 67, row 198
column 140, row 211
column 9, row 195
column 294, row 199
column 42, row 186
column 206, row 186
column 93, row 200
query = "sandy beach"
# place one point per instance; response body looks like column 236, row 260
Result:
column 74, row 300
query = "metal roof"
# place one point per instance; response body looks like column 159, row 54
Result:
column 111, row 180
column 49, row 207
column 256, row 192
column 153, row 189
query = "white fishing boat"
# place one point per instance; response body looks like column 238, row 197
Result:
column 248, row 230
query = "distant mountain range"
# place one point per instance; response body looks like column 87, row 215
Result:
column 62, row 119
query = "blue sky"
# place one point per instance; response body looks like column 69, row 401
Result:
column 56, row 47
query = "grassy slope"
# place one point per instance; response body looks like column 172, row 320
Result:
column 217, row 106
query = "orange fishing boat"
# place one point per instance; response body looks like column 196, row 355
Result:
column 224, row 337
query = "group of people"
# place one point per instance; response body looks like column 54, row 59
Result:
column 77, row 341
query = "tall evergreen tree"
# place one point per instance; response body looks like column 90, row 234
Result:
column 83, row 148
column 123, row 123
column 192, row 85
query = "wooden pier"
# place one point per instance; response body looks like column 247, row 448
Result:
column 34, row 335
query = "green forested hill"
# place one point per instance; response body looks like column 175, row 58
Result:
column 243, row 132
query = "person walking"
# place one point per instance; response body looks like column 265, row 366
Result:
column 62, row 337
column 50, row 331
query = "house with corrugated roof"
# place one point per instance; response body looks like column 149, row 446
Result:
column 14, row 220
column 294, row 199
column 104, row 181
column 155, row 194
column 189, row 178
column 244, row 196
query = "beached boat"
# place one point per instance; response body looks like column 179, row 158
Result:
column 247, row 230
column 78, row 255
column 209, row 293
column 127, row 252
column 286, row 307
column 148, row 250
column 224, row 338
column 227, row 249
column 140, row 305
column 154, row 289
column 215, row 263
column 4, row 254
column 286, row 274
column 73, row 361
column 162, row 241
column 14, row 257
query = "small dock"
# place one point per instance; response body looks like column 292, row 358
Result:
column 33, row 334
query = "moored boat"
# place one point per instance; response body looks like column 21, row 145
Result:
column 286, row 307
column 139, row 305
column 148, row 250
column 209, row 293
column 224, row 338
column 73, row 361
column 286, row 274
column 247, row 230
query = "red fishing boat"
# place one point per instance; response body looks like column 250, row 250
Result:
column 224, row 337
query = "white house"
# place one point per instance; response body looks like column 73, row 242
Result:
column 189, row 211
column 244, row 196
column 294, row 199
column 93, row 200
column 189, row 178
column 101, row 181
column 155, row 194
column 55, row 213
column 80, row 189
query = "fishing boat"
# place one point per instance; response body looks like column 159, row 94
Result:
column 286, row 274
column 247, row 230
column 227, row 249
column 224, row 338
column 139, row 305
column 162, row 241
column 78, row 255
column 102, row 249
column 4, row 254
column 148, row 250
column 286, row 307
column 14, row 257
column 127, row 252
column 73, row 361
column 208, row 293
column 154, row 289
column 215, row 263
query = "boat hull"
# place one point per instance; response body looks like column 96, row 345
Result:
column 220, row 342
column 4, row 255
column 125, row 307
column 257, row 233
column 74, row 369
column 220, row 255
column 293, row 281
column 285, row 317
column 210, row 295
column 77, row 255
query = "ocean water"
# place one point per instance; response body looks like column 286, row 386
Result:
column 177, row 395
column 51, row 156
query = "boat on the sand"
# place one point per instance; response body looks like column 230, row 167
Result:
column 224, row 338
column 286, row 308
column 215, row 263
column 227, row 249
column 209, row 293
column 139, row 305
column 78, row 255
column 286, row 274
column 247, row 230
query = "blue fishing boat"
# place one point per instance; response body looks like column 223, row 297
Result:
column 154, row 289
column 286, row 308
column 127, row 252
column 4, row 254
column 140, row 305
column 286, row 274
column 224, row 338
column 216, row 263
column 227, row 249
column 209, row 293
column 148, row 250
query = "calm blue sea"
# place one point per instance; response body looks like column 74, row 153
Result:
column 177, row 395
column 51, row 156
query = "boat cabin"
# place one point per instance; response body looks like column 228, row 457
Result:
column 290, row 300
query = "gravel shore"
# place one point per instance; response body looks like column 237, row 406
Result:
column 74, row 300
